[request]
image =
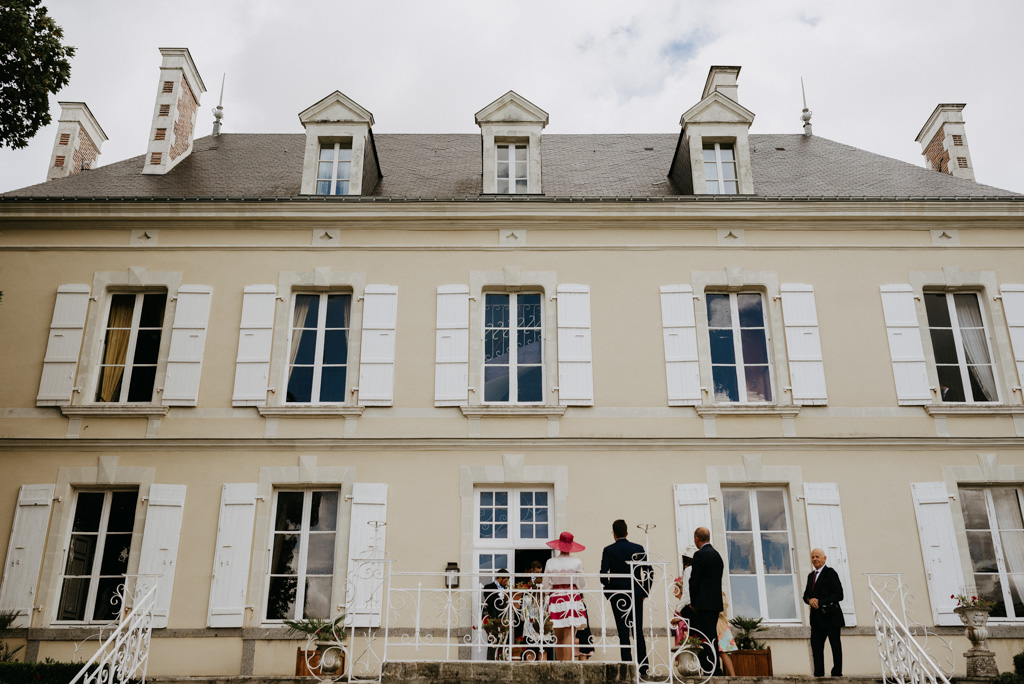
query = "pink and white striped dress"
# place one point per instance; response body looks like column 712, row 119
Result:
column 563, row 578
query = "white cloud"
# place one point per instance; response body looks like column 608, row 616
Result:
column 874, row 69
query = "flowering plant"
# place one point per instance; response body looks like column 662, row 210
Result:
column 965, row 601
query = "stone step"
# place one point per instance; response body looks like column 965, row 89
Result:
column 507, row 673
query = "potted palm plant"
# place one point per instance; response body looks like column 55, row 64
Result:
column 327, row 638
column 753, row 659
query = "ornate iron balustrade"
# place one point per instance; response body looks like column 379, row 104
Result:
column 125, row 654
column 903, row 658
column 422, row 617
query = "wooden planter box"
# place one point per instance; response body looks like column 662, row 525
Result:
column 752, row 663
column 302, row 668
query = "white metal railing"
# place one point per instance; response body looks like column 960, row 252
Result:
column 424, row 618
column 125, row 654
column 903, row 658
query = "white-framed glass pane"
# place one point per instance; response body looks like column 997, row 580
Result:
column 513, row 348
column 746, row 599
column 740, row 359
column 759, row 553
column 318, row 353
column 994, row 525
column 303, row 549
column 131, row 348
column 720, row 169
column 960, row 345
column 97, row 557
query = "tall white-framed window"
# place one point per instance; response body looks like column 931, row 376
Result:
column 513, row 348
column 334, row 168
column 511, row 168
column 300, row 578
column 131, row 347
column 759, row 550
column 995, row 538
column 720, row 169
column 97, row 555
column 963, row 351
column 318, row 348
column 738, row 332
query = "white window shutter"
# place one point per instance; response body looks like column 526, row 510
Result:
column 825, row 532
column 902, row 327
column 377, row 350
column 255, row 339
column 939, row 548
column 679, row 328
column 234, row 551
column 366, row 542
column 1013, row 309
column 159, row 554
column 64, row 345
column 188, row 340
column 451, row 367
column 803, row 345
column 693, row 510
column 575, row 358
column 25, row 551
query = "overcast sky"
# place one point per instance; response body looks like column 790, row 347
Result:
column 874, row 69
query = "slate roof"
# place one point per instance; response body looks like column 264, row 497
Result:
column 448, row 166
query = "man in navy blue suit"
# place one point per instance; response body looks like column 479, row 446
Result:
column 630, row 592
column 706, row 592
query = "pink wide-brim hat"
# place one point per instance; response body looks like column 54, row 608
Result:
column 566, row 544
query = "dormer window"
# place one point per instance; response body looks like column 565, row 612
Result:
column 510, row 128
column 334, row 168
column 339, row 156
column 512, row 168
column 720, row 169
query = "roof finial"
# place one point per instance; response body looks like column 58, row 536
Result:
column 218, row 111
column 806, row 116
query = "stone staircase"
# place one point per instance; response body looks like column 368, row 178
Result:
column 506, row 673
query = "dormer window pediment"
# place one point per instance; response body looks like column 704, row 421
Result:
column 511, row 129
column 340, row 157
column 717, row 108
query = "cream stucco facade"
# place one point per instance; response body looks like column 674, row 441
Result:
column 630, row 417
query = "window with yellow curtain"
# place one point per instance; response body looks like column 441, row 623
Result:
column 131, row 348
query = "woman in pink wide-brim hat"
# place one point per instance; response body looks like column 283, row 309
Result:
column 563, row 578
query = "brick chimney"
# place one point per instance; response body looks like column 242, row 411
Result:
column 174, row 115
column 78, row 142
column 944, row 142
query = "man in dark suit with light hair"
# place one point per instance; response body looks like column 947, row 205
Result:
column 823, row 593
column 706, row 593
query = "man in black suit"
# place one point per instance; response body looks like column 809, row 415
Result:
column 823, row 593
column 706, row 593
column 631, row 592
column 496, row 607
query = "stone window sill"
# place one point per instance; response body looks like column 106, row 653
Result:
column 310, row 411
column 747, row 410
column 512, row 411
column 114, row 411
column 973, row 410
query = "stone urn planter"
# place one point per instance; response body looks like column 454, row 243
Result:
column 981, row 662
